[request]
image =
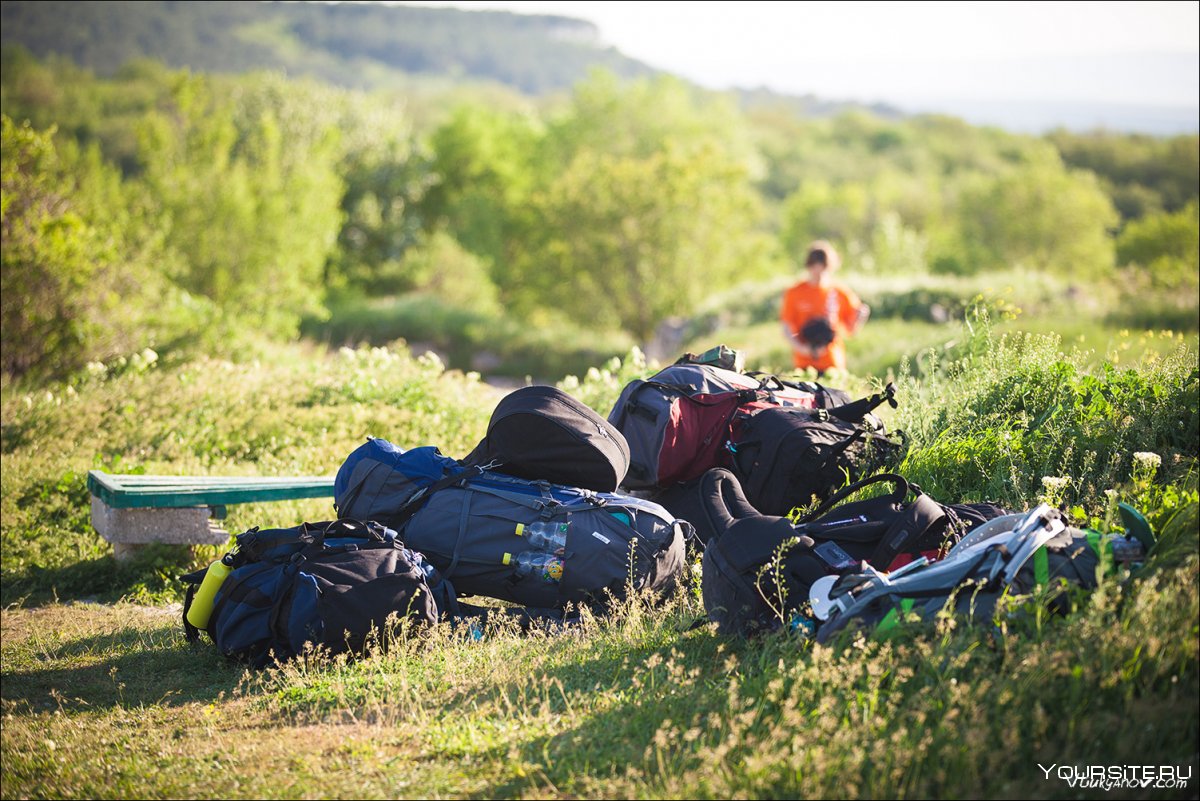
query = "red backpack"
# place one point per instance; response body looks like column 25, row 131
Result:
column 679, row 422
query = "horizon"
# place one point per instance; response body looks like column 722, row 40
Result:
column 1030, row 66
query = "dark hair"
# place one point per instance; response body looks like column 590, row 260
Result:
column 816, row 256
column 821, row 252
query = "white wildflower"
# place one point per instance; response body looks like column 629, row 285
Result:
column 1147, row 460
column 1055, row 483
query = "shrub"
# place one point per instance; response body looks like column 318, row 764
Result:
column 1012, row 409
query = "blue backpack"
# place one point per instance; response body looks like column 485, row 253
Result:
column 473, row 524
column 332, row 585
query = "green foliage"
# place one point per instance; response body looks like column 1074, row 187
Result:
column 627, row 242
column 80, row 260
column 484, row 164
column 386, row 174
column 441, row 267
column 641, row 118
column 46, row 269
column 248, row 185
column 1038, row 216
column 1145, row 174
column 1165, row 246
column 818, row 210
column 1012, row 411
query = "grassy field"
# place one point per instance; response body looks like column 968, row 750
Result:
column 103, row 697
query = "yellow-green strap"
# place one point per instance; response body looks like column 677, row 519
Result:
column 1041, row 567
column 892, row 618
column 1096, row 541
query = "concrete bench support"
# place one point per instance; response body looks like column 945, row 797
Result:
column 131, row 511
column 130, row 529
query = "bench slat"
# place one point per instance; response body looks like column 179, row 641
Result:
column 158, row 492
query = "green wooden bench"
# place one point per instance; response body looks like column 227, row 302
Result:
column 131, row 511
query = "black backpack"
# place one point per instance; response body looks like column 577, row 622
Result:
column 786, row 457
column 332, row 585
column 541, row 432
column 758, row 569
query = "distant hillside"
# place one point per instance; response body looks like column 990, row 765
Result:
column 356, row 45
column 809, row 105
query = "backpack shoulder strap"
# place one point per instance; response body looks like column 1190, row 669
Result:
column 898, row 495
column 855, row 411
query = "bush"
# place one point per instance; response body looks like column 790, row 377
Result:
column 1005, row 412
column 1166, row 247
column 82, row 265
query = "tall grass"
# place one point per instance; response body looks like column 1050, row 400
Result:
column 1001, row 412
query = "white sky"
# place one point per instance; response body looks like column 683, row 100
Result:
column 908, row 52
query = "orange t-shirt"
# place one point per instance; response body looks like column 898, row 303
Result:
column 836, row 303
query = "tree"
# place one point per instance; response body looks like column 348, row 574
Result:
column 626, row 242
column 641, row 202
column 1164, row 246
column 484, row 165
column 79, row 255
column 1039, row 216
column 248, row 182
column 386, row 175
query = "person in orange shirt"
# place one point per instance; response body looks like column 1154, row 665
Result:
column 818, row 313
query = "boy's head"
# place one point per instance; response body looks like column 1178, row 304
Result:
column 821, row 260
column 822, row 256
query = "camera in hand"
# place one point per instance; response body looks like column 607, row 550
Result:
column 817, row 333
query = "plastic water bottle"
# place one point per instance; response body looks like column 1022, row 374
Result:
column 548, row 537
column 547, row 566
column 202, row 602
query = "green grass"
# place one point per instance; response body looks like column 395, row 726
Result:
column 108, row 701
column 492, row 343
column 102, row 696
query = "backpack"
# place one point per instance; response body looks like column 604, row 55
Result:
column 786, row 457
column 1015, row 553
column 758, row 569
column 332, row 584
column 474, row 525
column 678, row 422
column 541, row 432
